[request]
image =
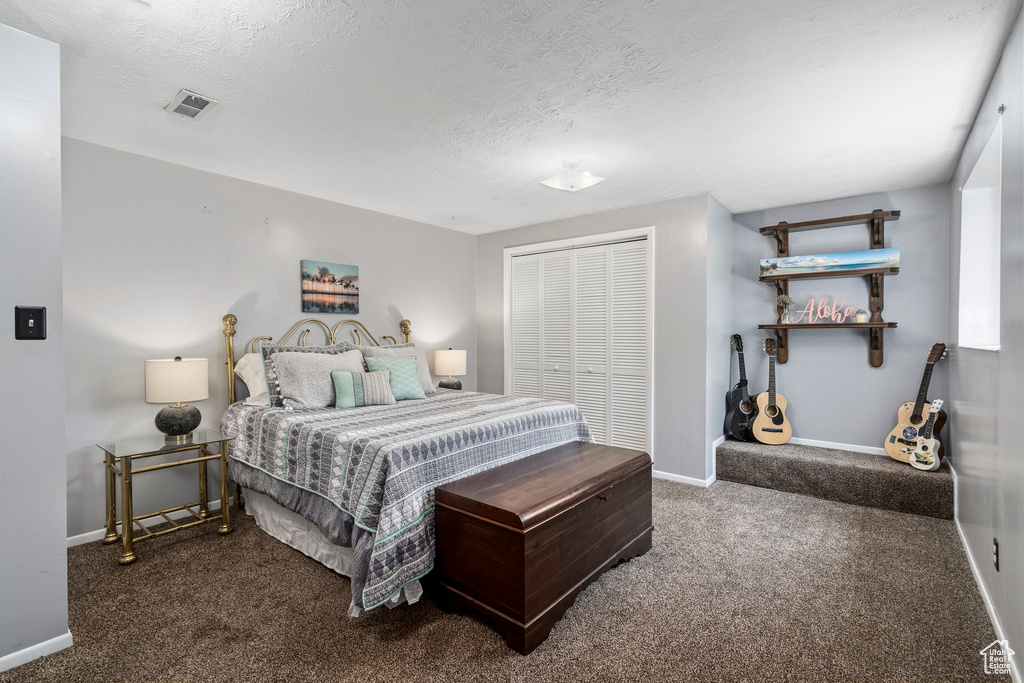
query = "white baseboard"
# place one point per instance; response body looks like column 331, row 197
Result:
column 714, row 457
column 90, row 536
column 997, row 626
column 47, row 647
column 873, row 450
column 693, row 481
column 703, row 483
column 987, row 599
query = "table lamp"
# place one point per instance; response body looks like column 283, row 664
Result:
column 176, row 381
column 449, row 362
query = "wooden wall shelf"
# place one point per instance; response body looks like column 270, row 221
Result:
column 856, row 272
column 860, row 219
column 825, row 326
column 876, row 223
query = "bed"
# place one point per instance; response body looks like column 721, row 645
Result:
column 354, row 487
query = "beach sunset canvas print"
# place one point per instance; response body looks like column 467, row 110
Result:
column 838, row 262
column 329, row 287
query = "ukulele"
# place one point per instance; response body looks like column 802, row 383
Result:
column 911, row 415
column 739, row 409
column 925, row 455
column 771, row 426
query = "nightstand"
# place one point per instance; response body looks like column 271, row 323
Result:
column 120, row 458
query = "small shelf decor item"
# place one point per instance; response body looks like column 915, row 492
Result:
column 861, row 315
column 874, row 264
column 177, row 381
column 784, row 301
column 450, row 362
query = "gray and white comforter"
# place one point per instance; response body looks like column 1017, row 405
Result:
column 373, row 469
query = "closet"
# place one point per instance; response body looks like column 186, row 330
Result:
column 579, row 323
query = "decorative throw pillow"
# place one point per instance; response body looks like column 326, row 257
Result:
column 304, row 379
column 404, row 382
column 249, row 369
column 402, row 351
column 362, row 389
column 268, row 351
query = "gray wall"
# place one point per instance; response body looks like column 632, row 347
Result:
column 33, row 564
column 834, row 394
column 720, row 321
column 986, row 415
column 680, row 302
column 155, row 254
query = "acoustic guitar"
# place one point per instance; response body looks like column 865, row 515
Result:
column 925, row 455
column 739, row 409
column 911, row 415
column 771, row 426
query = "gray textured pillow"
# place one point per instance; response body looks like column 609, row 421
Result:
column 402, row 351
column 268, row 350
column 305, row 378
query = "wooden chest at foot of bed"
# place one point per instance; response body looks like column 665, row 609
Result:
column 519, row 542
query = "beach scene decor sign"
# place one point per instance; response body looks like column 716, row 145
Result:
column 329, row 287
column 826, row 263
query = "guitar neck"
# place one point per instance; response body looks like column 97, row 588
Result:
column 743, row 377
column 771, row 380
column 922, row 395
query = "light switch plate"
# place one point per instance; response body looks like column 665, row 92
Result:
column 30, row 322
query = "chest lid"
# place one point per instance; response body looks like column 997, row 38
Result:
column 531, row 490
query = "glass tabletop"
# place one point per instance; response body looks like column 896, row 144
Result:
column 154, row 445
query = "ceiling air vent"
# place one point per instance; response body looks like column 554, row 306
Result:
column 190, row 104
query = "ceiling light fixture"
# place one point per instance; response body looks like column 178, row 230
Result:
column 572, row 179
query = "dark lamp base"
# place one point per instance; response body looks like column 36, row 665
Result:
column 450, row 383
column 178, row 422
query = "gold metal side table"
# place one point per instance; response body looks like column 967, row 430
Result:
column 120, row 456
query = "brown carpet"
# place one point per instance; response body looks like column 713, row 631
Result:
column 843, row 476
column 743, row 584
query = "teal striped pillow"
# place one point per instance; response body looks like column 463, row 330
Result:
column 353, row 389
column 405, row 384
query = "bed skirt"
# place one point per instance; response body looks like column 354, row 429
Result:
column 296, row 531
column 312, row 525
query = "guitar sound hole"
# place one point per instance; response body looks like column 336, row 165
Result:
column 916, row 420
column 746, row 407
column 771, row 411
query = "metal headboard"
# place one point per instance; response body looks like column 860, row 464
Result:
column 332, row 334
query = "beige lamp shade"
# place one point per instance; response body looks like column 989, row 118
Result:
column 177, row 380
column 450, row 363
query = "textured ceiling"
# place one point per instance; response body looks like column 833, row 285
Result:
column 451, row 112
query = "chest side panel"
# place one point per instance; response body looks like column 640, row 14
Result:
column 480, row 559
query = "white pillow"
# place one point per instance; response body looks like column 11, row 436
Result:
column 249, row 369
column 305, row 378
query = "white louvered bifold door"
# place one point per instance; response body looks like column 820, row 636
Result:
column 556, row 318
column 630, row 346
column 591, row 309
column 526, row 321
column 580, row 333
